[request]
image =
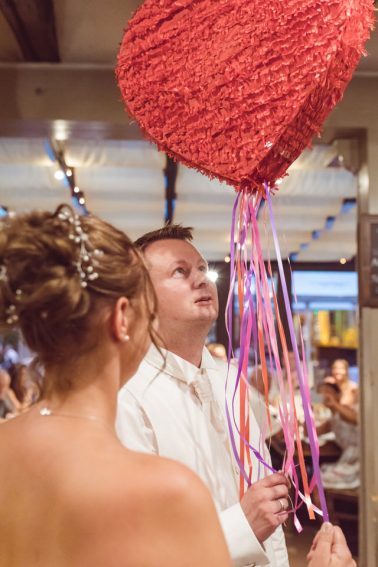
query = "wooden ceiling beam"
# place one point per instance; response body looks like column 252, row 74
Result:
column 33, row 24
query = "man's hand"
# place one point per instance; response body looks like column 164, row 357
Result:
column 329, row 549
column 265, row 504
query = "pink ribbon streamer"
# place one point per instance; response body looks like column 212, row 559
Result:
column 257, row 330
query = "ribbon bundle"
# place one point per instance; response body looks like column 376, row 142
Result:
column 261, row 330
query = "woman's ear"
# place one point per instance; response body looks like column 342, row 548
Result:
column 121, row 320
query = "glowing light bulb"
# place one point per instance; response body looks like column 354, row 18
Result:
column 59, row 174
column 212, row 275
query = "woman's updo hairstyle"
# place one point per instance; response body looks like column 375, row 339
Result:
column 56, row 269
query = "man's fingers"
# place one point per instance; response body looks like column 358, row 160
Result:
column 274, row 480
column 315, row 541
column 281, row 518
column 340, row 546
column 325, row 539
column 339, row 537
column 282, row 504
column 313, row 546
column 278, row 491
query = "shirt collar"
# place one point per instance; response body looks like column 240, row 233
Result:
column 178, row 367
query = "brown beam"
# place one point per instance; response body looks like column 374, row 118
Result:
column 33, row 24
column 89, row 130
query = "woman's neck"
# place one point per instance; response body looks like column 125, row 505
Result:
column 88, row 388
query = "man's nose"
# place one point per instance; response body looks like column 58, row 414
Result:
column 201, row 279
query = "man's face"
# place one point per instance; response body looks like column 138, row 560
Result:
column 179, row 275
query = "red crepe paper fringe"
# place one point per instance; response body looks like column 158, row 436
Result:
column 238, row 88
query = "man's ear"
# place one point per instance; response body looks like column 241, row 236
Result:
column 121, row 320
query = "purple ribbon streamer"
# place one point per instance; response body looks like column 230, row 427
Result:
column 308, row 418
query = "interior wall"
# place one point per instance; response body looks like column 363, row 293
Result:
column 359, row 110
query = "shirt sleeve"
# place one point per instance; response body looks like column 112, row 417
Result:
column 276, row 542
column 133, row 427
column 243, row 545
column 280, row 549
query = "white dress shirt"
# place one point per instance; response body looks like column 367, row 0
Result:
column 161, row 412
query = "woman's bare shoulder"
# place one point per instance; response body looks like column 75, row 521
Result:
column 126, row 476
column 156, row 478
column 155, row 500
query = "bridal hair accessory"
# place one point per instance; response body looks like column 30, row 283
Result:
column 86, row 263
column 11, row 314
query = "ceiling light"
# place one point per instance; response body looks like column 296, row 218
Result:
column 59, row 174
column 343, row 261
column 69, row 172
column 60, row 130
column 227, row 259
column 76, row 190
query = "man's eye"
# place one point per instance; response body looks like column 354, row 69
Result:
column 179, row 272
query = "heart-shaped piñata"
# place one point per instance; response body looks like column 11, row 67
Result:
column 238, row 88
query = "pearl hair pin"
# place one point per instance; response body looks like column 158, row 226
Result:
column 88, row 259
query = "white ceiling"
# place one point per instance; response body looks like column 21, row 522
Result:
column 124, row 182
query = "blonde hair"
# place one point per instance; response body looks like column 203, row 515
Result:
column 42, row 288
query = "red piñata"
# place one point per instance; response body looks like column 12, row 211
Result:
column 238, row 88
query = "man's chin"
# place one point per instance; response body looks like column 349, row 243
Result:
column 208, row 315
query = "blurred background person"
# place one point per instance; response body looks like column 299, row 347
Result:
column 349, row 393
column 344, row 474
